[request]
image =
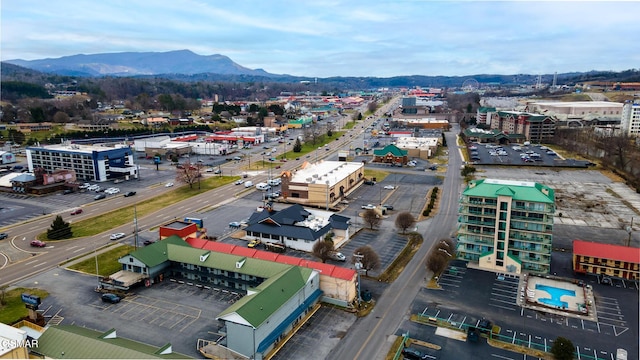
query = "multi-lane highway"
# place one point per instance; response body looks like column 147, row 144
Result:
column 368, row 338
column 41, row 259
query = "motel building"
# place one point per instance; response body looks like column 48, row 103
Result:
column 276, row 293
column 90, row 162
column 606, row 260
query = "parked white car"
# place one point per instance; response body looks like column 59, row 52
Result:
column 274, row 182
column 368, row 206
column 337, row 256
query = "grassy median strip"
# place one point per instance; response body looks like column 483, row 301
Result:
column 12, row 308
column 107, row 261
column 107, row 221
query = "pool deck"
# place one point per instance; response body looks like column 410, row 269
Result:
column 583, row 295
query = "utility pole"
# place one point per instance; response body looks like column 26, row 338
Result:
column 629, row 231
column 95, row 254
column 135, row 226
column 358, row 266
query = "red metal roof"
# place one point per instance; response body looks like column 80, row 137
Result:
column 606, row 251
column 186, row 138
column 323, row 268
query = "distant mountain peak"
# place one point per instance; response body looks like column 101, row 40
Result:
column 140, row 63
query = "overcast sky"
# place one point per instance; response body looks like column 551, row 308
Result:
column 338, row 38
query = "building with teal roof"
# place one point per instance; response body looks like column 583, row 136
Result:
column 533, row 127
column 506, row 226
column 391, row 154
column 74, row 342
column 300, row 122
column 483, row 115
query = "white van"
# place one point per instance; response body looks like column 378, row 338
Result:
column 248, row 184
column 263, row 186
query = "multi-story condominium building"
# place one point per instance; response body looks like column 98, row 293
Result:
column 483, row 115
column 630, row 121
column 534, row 127
column 506, row 225
column 90, row 162
column 606, row 260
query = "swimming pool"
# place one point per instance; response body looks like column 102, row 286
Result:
column 556, row 294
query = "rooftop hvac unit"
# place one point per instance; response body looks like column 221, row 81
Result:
column 315, row 176
column 309, row 180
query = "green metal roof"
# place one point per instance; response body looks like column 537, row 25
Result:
column 394, row 150
column 272, row 294
column 156, row 253
column 486, row 109
column 518, row 190
column 73, row 342
column 222, row 261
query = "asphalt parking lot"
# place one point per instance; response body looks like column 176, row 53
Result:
column 22, row 207
column 469, row 295
column 518, row 154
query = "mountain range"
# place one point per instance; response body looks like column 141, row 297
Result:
column 139, row 63
column 186, row 66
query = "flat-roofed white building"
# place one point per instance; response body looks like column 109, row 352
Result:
column 322, row 184
column 576, row 108
column 420, row 147
column 90, row 162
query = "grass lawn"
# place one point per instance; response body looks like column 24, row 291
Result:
column 13, row 309
column 349, row 125
column 104, row 222
column 107, row 261
column 378, row 174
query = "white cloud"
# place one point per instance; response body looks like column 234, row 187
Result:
column 340, row 37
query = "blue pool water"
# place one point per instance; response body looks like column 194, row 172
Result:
column 556, row 294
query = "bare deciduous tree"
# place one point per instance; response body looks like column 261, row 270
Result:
column 322, row 249
column 188, row 174
column 371, row 217
column 437, row 261
column 405, row 220
column 367, row 257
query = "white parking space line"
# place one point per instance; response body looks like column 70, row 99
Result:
column 502, row 357
column 503, row 301
column 503, row 307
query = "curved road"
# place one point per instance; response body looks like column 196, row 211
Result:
column 368, row 338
